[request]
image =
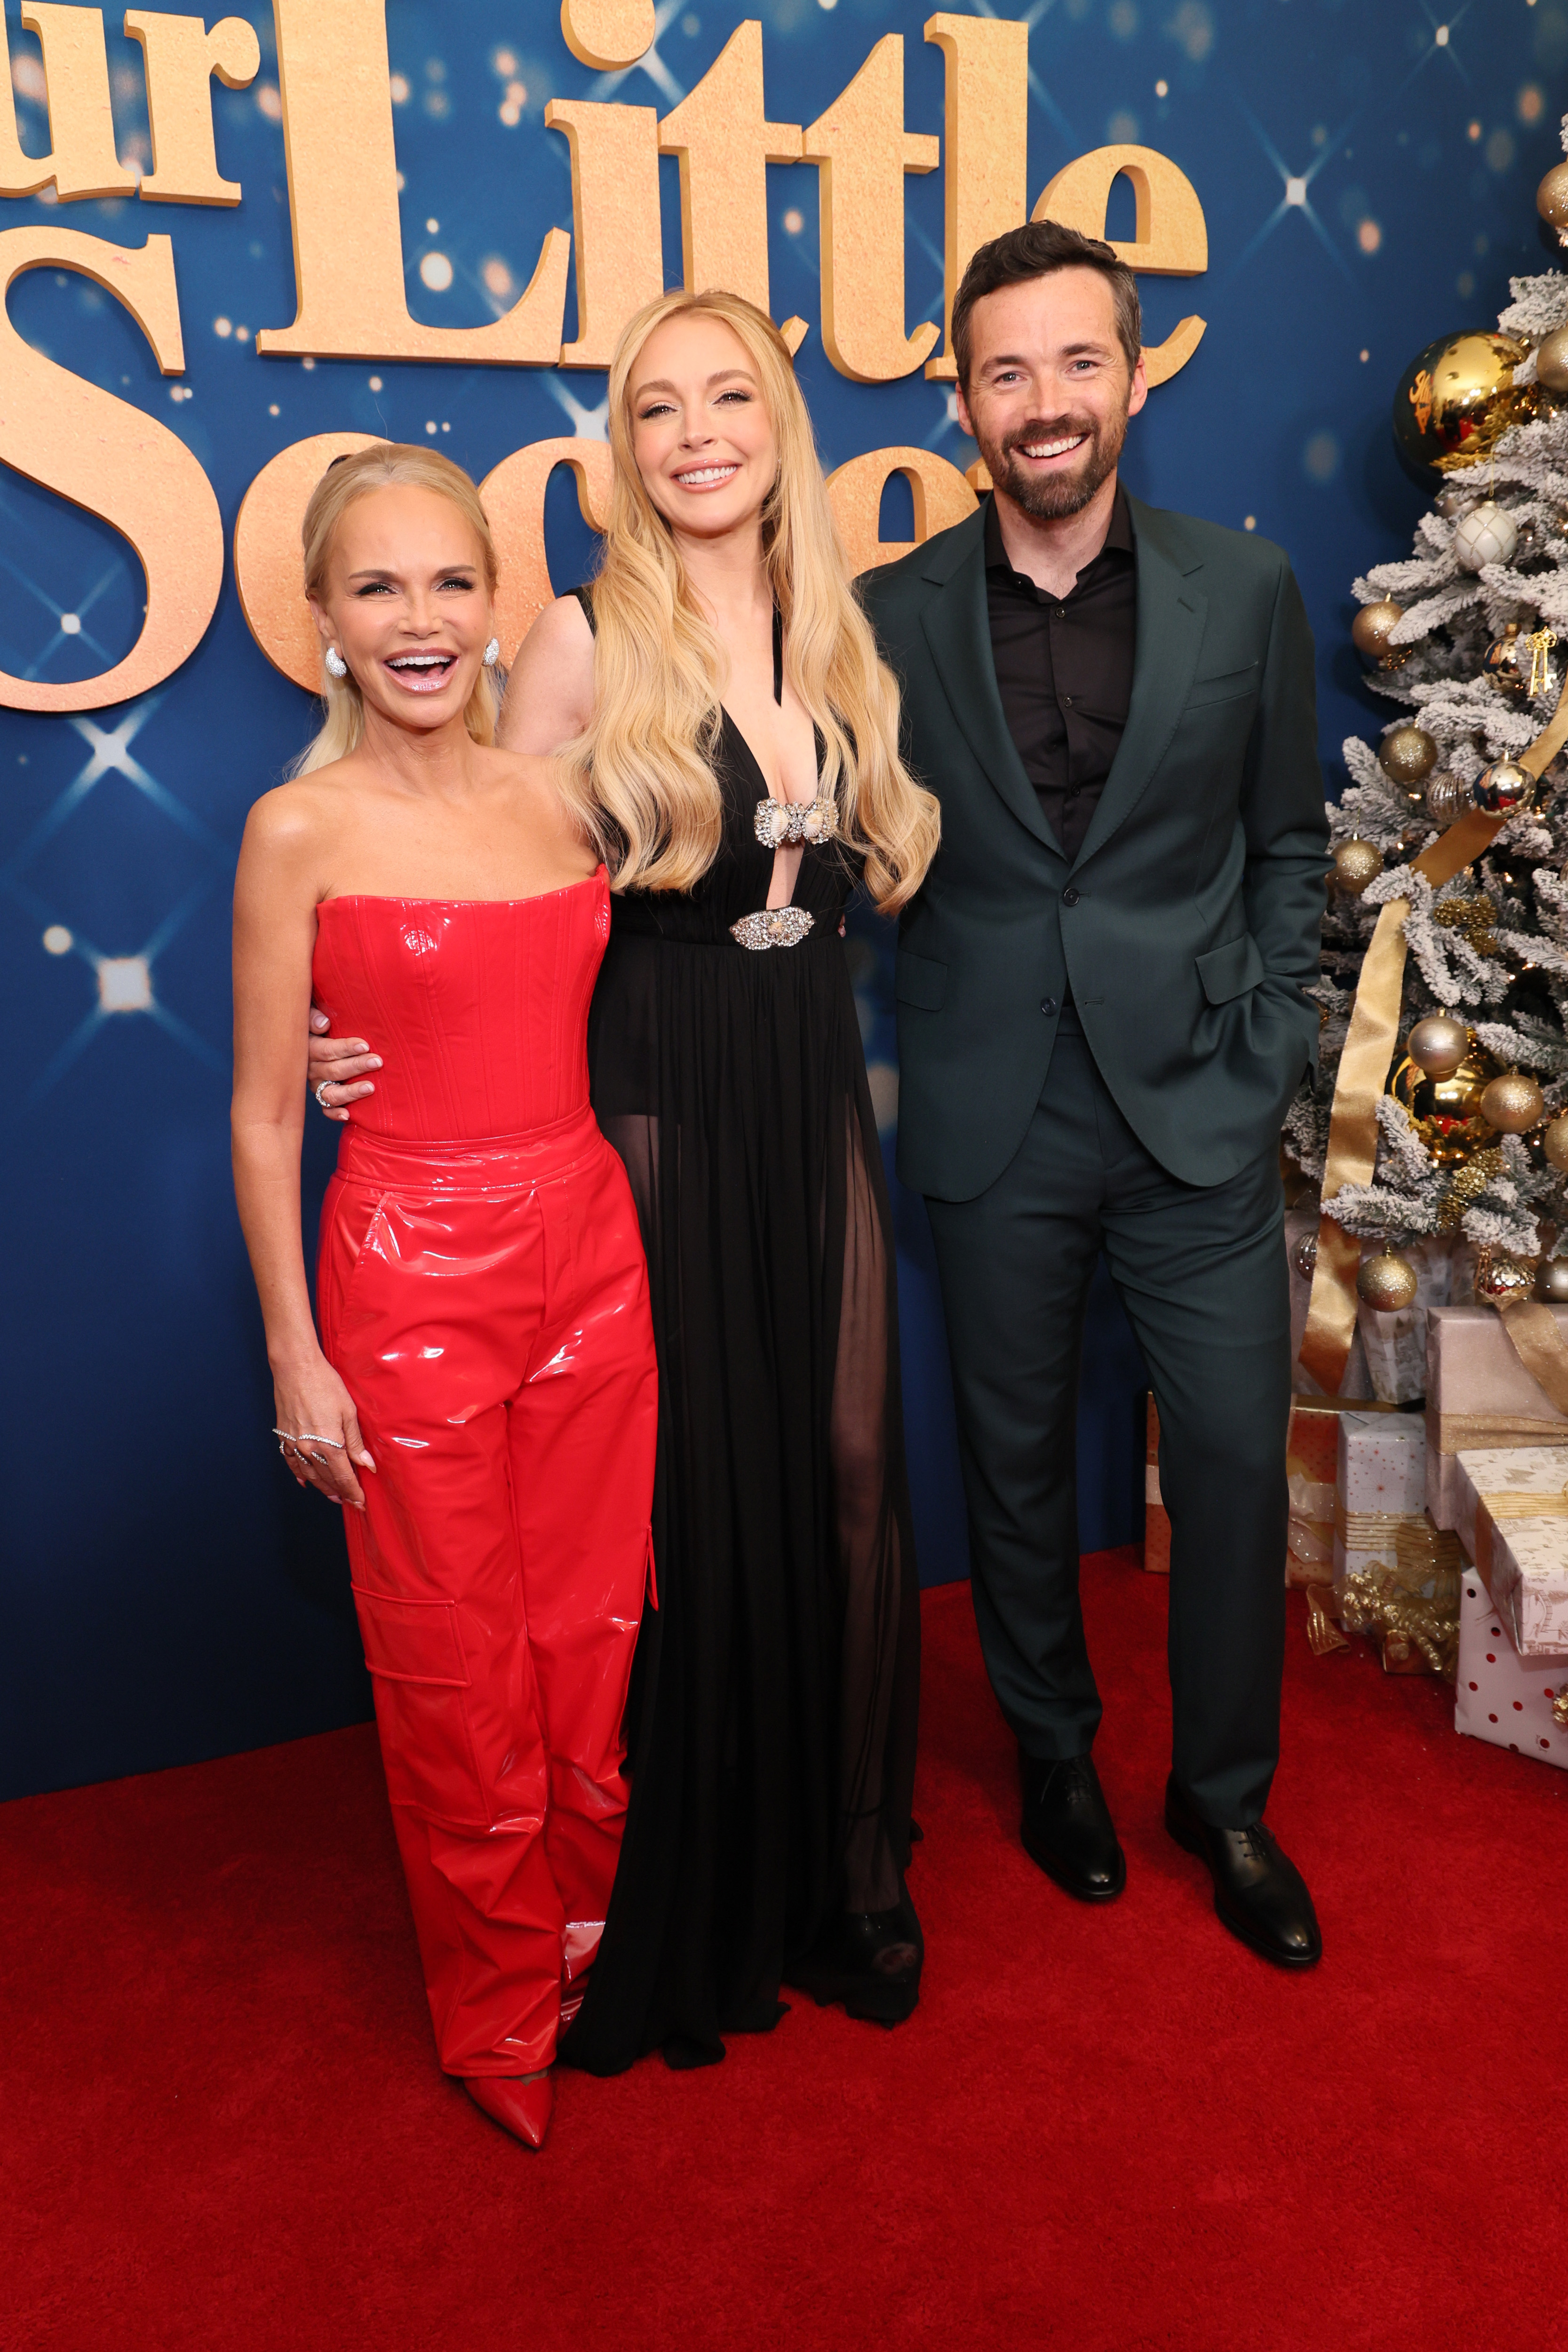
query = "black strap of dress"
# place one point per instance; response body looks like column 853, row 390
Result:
column 584, row 596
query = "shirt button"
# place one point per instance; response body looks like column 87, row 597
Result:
column 1048, row 1007
column 1066, row 702
column 1069, row 896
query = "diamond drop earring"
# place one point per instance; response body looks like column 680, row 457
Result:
column 335, row 662
column 492, row 653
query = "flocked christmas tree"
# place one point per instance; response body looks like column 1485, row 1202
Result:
column 1471, row 639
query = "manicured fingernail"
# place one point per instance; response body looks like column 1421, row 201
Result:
column 375, row 1061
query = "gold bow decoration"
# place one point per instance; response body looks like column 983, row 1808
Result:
column 1368, row 1050
column 1374, row 1600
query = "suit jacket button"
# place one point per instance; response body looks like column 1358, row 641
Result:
column 1048, row 1007
column 1069, row 896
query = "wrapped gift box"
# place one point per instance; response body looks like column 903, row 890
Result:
column 1479, row 1397
column 1396, row 1577
column 1513, row 1523
column 1380, row 1507
column 1311, row 1465
column 1156, row 1517
column 1501, row 1696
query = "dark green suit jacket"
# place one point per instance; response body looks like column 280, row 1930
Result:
column 1188, row 925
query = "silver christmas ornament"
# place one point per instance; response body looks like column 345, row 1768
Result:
column 1438, row 1044
column 1487, row 534
column 1448, row 798
column 1503, row 788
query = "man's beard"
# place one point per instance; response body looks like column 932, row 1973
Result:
column 1047, row 497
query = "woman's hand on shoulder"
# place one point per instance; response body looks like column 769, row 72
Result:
column 550, row 688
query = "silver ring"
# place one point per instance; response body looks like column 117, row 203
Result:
column 320, row 1091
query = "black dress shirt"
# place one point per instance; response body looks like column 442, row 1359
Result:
column 1064, row 666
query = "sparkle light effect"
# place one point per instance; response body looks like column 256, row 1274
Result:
column 1297, row 195
column 123, row 983
column 650, row 63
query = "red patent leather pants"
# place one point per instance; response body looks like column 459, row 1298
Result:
column 486, row 1306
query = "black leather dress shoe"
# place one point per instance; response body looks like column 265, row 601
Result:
column 1067, row 1829
column 1258, row 1893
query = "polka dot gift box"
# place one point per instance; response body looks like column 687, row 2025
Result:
column 1501, row 1696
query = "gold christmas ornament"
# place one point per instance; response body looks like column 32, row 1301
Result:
column 1552, row 360
column 1446, row 1112
column 1551, row 1281
column 1385, row 1282
column 1372, row 629
column 1551, row 200
column 1304, row 1256
column 1448, row 798
column 1487, row 534
column 1438, row 1044
column 1356, row 863
column 1457, row 398
column 1407, row 756
column 1502, row 664
column 1512, row 1103
column 1503, row 788
column 1555, row 1143
column 1500, row 1279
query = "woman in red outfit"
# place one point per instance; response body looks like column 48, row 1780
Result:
column 482, row 1396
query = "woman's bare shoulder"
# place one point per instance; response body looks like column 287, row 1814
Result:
column 550, row 688
column 301, row 816
column 562, row 628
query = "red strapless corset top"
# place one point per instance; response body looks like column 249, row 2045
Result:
column 478, row 1007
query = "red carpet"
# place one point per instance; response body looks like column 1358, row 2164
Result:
column 1104, row 2130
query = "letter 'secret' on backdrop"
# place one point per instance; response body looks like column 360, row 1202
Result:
column 231, row 246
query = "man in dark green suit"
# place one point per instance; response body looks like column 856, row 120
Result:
column 1102, row 1020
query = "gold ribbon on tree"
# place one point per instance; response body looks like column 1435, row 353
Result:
column 1362, row 1074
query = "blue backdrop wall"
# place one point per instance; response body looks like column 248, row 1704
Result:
column 1367, row 177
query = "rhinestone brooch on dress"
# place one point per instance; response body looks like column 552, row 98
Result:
column 774, row 926
column 778, row 822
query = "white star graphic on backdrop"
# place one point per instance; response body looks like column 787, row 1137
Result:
column 124, row 982
column 588, row 423
column 650, row 62
column 1296, row 196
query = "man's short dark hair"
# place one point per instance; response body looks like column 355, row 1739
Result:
column 1039, row 249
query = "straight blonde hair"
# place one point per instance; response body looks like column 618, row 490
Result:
column 640, row 779
column 351, row 477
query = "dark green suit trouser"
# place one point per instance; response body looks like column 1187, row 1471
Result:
column 1202, row 1275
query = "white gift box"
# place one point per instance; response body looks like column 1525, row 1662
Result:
column 1380, row 1504
column 1513, row 1523
column 1479, row 1396
column 1500, row 1695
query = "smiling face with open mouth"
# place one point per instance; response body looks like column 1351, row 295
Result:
column 702, row 434
column 406, row 605
column 1050, row 390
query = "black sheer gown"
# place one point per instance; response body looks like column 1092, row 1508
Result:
column 770, row 1730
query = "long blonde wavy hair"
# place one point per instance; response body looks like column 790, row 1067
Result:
column 640, row 779
column 351, row 477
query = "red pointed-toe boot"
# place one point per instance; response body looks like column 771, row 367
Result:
column 522, row 2104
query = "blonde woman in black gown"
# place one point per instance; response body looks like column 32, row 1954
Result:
column 731, row 740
